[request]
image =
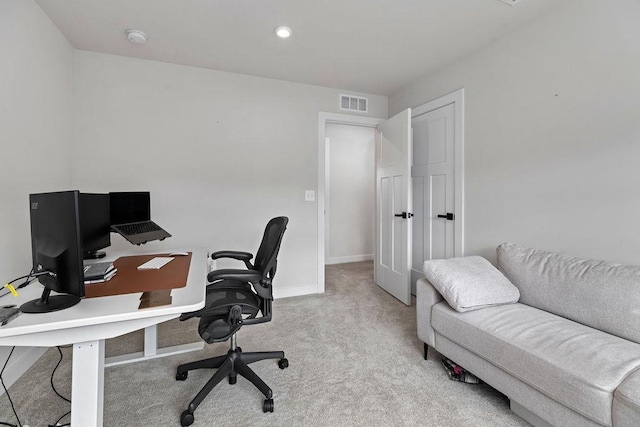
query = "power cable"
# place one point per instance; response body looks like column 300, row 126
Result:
column 53, row 387
column 7, row 391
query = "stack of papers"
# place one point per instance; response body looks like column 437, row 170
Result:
column 99, row 272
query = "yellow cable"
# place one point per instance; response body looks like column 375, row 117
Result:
column 11, row 289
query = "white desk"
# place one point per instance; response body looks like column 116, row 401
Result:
column 86, row 326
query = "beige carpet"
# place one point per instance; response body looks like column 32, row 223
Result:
column 354, row 359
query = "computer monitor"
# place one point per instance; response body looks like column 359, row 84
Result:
column 56, row 247
column 95, row 224
column 130, row 206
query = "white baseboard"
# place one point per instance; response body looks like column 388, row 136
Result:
column 294, row 291
column 346, row 259
column 21, row 360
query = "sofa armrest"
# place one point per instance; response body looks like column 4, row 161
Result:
column 626, row 402
column 426, row 297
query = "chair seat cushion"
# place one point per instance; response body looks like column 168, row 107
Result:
column 573, row 364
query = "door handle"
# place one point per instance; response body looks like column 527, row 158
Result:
column 404, row 215
column 449, row 216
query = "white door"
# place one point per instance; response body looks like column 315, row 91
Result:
column 393, row 206
column 433, row 187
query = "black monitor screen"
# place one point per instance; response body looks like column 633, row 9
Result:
column 56, row 246
column 128, row 207
column 95, row 223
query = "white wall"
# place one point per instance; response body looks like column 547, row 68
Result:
column 227, row 152
column 552, row 142
column 35, row 122
column 351, row 201
column 35, row 130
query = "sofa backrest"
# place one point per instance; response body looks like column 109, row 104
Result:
column 598, row 294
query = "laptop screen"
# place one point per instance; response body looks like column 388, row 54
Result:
column 127, row 207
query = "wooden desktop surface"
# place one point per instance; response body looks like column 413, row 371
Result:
column 130, row 280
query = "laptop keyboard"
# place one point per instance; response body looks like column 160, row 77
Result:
column 138, row 228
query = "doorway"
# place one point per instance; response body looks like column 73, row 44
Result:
column 323, row 158
column 456, row 99
column 349, row 193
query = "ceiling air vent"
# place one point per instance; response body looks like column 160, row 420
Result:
column 354, row 103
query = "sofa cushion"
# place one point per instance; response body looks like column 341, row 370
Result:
column 595, row 293
column 470, row 283
column 573, row 364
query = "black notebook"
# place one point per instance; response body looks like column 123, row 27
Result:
column 97, row 271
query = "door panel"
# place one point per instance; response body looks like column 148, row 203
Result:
column 438, row 234
column 386, row 211
column 418, row 223
column 437, row 137
column 397, row 224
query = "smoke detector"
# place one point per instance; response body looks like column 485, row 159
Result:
column 136, row 36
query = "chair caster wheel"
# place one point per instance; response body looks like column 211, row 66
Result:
column 268, row 405
column 283, row 363
column 233, row 380
column 181, row 376
column 186, row 418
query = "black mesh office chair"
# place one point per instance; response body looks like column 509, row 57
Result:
column 234, row 298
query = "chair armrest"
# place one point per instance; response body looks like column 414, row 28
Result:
column 426, row 297
column 234, row 274
column 241, row 256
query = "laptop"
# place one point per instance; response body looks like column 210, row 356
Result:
column 131, row 217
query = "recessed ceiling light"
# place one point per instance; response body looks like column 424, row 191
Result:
column 283, row 32
column 136, row 36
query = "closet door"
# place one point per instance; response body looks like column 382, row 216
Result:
column 433, row 187
column 393, row 206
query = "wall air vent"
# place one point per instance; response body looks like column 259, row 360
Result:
column 354, row 103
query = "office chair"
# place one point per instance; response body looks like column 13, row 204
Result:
column 234, row 299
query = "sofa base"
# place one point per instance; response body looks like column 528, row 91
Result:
column 527, row 415
column 537, row 402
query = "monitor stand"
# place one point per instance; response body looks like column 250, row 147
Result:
column 47, row 303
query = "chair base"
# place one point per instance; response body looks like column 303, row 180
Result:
column 234, row 363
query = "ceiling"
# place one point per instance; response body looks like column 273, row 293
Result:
column 370, row 46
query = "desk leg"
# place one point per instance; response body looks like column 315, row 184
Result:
column 150, row 341
column 151, row 350
column 87, row 384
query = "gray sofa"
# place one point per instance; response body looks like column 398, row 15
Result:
column 566, row 354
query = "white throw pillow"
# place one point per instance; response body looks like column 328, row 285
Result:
column 470, row 283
